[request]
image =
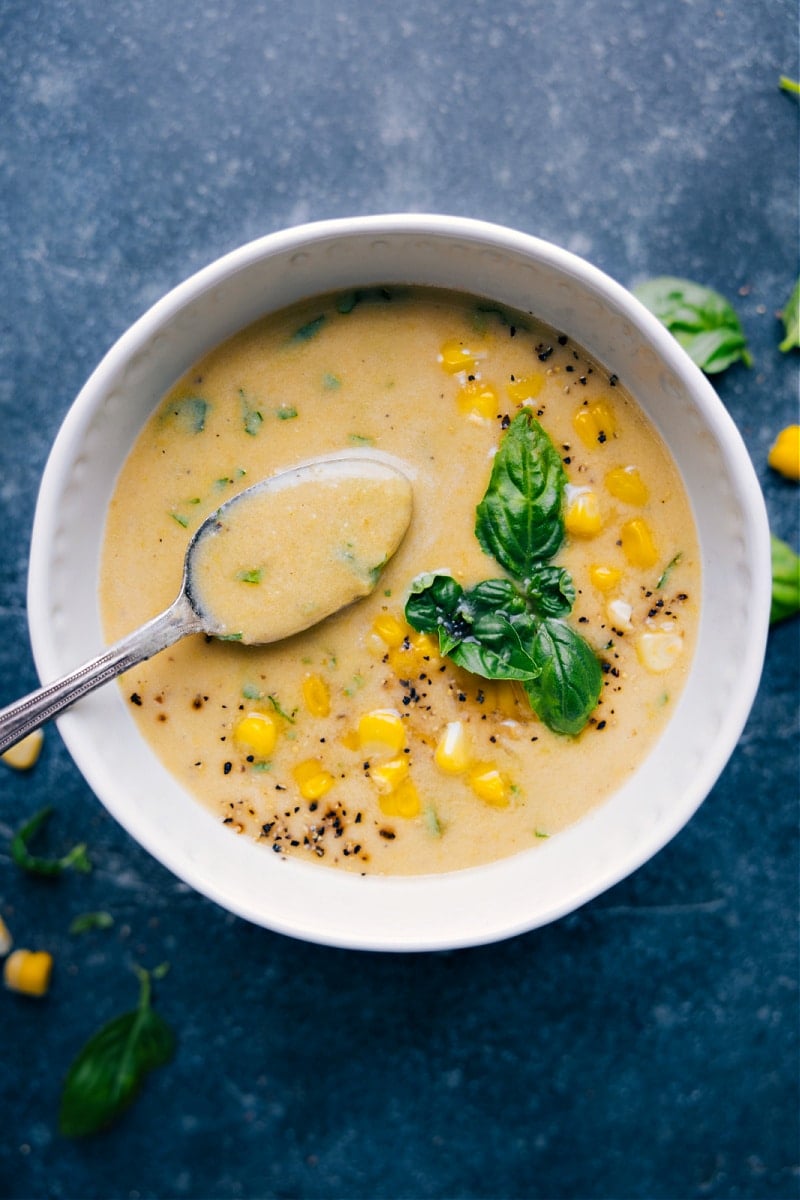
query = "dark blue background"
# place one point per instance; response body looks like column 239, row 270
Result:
column 646, row 1046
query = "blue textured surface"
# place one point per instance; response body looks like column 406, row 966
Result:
column 646, row 1046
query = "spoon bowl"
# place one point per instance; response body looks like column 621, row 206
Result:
column 347, row 515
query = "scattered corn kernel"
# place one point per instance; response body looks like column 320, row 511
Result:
column 638, row 545
column 390, row 629
column 28, row 972
column 408, row 659
column 785, row 453
column 594, row 423
column 526, row 388
column 388, row 776
column 619, row 614
column 489, row 784
column 477, row 399
column 258, row 732
column 404, row 802
column 455, row 356
column 453, row 752
column 381, row 729
column 582, row 517
column 312, row 779
column 23, row 756
column 626, row 484
column 605, row 579
column 6, row 940
column 317, row 696
column 503, row 696
column 659, row 649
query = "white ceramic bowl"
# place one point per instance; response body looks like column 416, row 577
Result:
column 465, row 907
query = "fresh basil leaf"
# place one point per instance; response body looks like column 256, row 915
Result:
column 87, row 921
column 75, row 859
column 498, row 647
column 702, row 320
column 519, row 519
column 791, row 321
column 550, row 591
column 571, row 679
column 431, row 607
column 108, row 1072
column 785, row 581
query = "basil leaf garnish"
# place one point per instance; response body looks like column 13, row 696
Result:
column 785, row 581
column 75, row 859
column 109, row 1070
column 702, row 320
column 791, row 321
column 519, row 520
column 570, row 679
column 550, row 591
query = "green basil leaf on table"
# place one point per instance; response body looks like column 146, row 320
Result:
column 571, row 679
column 519, row 520
column 791, row 321
column 700, row 319
column 75, row 859
column 785, row 581
column 108, row 1072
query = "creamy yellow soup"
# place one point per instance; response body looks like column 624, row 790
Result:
column 358, row 743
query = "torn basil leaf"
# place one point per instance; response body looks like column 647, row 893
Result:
column 75, row 859
column 791, row 321
column 700, row 319
column 568, row 686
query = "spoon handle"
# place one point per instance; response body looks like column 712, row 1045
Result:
column 27, row 714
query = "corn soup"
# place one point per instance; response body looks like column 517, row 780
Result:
column 522, row 649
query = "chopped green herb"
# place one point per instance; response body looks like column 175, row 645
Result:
column 361, row 439
column 182, row 521
column 306, row 332
column 251, row 692
column 262, row 766
column 229, row 637
column 432, row 822
column 286, row 413
column 791, row 321
column 785, row 581
column 91, row 920
column 254, row 575
column 700, row 319
column 540, row 833
column 276, row 704
column 331, row 382
column 110, row 1069
column 668, row 569
column 252, row 418
column 189, row 414
column 354, row 685
column 789, row 85
column 75, row 859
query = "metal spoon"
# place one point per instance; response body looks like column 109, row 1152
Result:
column 377, row 479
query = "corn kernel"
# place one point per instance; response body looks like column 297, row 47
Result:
column 455, row 356
column 351, row 740
column 595, row 424
column 489, row 784
column 503, row 696
column 453, row 752
column 390, row 629
column 312, row 780
column 526, row 388
column 605, row 579
column 388, row 776
column 24, row 754
column 638, row 545
column 404, row 802
column 258, row 733
column 381, row 729
column 6, row 940
column 583, row 517
column 659, row 649
column 28, row 972
column 477, row 399
column 408, row 659
column 317, row 696
column 626, row 484
column 784, row 455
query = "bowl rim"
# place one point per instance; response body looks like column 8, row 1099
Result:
column 439, row 226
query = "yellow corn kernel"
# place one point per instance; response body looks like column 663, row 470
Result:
column 526, row 388
column 489, row 784
column 408, row 659
column 390, row 629
column 785, row 453
column 312, row 779
column 6, row 940
column 23, row 756
column 351, row 740
column 627, row 485
column 404, row 802
column 595, row 424
column 477, row 399
column 605, row 579
column 382, row 729
column 389, row 775
column 583, row 517
column 455, row 356
column 453, row 752
column 317, row 696
column 28, row 971
column 257, row 732
column 501, row 695
column 638, row 545
column 659, row 649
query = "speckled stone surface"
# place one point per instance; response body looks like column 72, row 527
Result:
column 647, row 1045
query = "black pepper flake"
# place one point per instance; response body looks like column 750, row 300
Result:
column 613, row 380
column 389, row 834
column 543, row 352
column 562, row 339
column 136, row 699
column 227, row 768
column 601, row 437
column 601, row 724
column 505, row 422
